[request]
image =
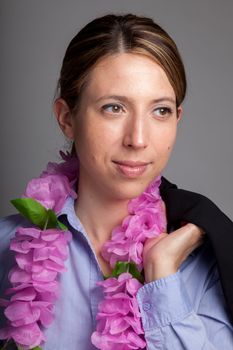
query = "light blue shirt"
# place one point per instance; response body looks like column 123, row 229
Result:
column 185, row 310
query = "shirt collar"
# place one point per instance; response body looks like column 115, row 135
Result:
column 72, row 218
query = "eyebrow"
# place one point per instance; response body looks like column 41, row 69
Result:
column 125, row 99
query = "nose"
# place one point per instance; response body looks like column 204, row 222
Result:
column 136, row 133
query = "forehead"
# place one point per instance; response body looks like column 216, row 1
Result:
column 130, row 74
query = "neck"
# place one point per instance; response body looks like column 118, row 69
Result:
column 98, row 214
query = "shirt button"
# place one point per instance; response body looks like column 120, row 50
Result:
column 146, row 306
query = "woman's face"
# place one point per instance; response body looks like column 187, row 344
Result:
column 125, row 126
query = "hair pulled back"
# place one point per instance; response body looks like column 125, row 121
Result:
column 112, row 34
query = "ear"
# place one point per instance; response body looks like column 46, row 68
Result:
column 64, row 117
column 179, row 113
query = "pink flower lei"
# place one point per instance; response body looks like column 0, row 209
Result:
column 40, row 252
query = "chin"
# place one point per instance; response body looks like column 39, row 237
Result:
column 130, row 191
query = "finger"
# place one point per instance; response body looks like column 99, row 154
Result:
column 188, row 229
column 197, row 233
column 186, row 238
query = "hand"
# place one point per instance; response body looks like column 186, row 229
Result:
column 163, row 255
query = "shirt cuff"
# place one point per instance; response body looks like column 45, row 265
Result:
column 163, row 302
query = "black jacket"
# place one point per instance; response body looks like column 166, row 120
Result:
column 192, row 207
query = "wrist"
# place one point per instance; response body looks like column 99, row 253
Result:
column 155, row 271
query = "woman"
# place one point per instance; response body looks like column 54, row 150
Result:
column 121, row 90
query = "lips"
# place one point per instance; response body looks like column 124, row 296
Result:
column 131, row 169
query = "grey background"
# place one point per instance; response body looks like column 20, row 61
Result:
column 34, row 35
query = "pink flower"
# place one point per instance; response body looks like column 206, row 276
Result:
column 127, row 240
column 124, row 250
column 69, row 168
column 27, row 336
column 51, row 191
column 119, row 319
column 125, row 341
column 124, row 281
column 146, row 223
column 148, row 198
column 40, row 256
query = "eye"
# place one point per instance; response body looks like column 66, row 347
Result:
column 163, row 112
column 113, row 108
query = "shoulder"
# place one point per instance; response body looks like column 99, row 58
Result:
column 8, row 225
column 10, row 222
column 185, row 199
column 169, row 189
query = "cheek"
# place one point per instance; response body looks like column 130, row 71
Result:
column 171, row 144
column 92, row 142
column 166, row 140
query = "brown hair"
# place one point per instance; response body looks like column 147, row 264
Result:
column 113, row 34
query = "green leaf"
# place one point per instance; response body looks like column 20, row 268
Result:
column 32, row 210
column 124, row 266
column 62, row 226
column 120, row 267
column 52, row 221
column 135, row 272
column 37, row 214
